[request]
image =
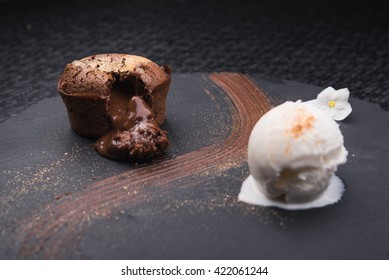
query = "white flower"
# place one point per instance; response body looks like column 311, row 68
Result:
column 334, row 102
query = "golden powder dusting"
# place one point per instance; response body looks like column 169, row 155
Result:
column 302, row 122
column 56, row 234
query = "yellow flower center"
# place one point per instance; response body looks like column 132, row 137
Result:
column 331, row 104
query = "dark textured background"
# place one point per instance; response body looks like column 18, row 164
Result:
column 338, row 43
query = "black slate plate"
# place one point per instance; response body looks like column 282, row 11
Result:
column 51, row 179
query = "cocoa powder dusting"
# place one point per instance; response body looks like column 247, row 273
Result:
column 65, row 221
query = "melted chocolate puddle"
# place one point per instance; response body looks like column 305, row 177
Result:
column 57, row 230
column 136, row 135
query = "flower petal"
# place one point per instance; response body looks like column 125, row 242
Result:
column 318, row 105
column 331, row 95
column 324, row 96
column 330, row 111
column 343, row 113
column 343, row 94
column 340, row 104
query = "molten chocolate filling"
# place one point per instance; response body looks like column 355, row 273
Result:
column 135, row 134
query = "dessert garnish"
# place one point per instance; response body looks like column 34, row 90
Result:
column 334, row 102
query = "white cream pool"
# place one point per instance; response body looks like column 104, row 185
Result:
column 250, row 193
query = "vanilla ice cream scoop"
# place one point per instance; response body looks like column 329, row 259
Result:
column 293, row 152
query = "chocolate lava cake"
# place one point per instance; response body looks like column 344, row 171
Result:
column 119, row 99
